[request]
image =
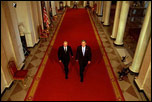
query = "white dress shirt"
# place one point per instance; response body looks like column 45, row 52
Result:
column 83, row 50
column 65, row 49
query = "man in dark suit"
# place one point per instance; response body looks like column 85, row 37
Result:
column 64, row 56
column 83, row 56
column 75, row 4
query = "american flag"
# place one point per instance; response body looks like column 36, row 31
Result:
column 45, row 17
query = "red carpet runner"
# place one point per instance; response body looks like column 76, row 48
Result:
column 99, row 81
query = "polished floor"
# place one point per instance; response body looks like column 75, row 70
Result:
column 18, row 92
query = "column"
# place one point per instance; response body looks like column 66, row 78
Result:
column 26, row 18
column 91, row 3
column 84, row 3
column 144, row 77
column 7, row 49
column 11, row 27
column 107, row 13
column 116, row 20
column 104, row 10
column 35, row 19
column 97, row 2
column 64, row 2
column 122, row 22
column 57, row 4
column 68, row 3
column 53, row 8
column 144, row 37
column 99, row 8
column 39, row 9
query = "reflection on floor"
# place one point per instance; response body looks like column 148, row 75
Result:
column 18, row 92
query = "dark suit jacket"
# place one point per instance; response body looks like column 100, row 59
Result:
column 86, row 57
column 64, row 56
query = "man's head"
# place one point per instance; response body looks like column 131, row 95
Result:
column 83, row 43
column 65, row 43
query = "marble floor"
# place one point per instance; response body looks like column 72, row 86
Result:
column 18, row 91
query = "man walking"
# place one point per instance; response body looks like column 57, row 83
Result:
column 83, row 56
column 75, row 4
column 64, row 56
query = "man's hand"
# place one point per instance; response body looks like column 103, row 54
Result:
column 76, row 60
column 89, row 62
column 60, row 61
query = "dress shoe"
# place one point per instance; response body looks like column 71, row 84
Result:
column 66, row 77
column 81, row 80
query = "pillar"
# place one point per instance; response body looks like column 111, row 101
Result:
column 35, row 20
column 57, row 4
column 39, row 9
column 53, row 8
column 143, row 80
column 68, row 3
column 142, row 42
column 99, row 8
column 116, row 20
column 122, row 22
column 104, row 10
column 84, row 3
column 12, row 22
column 107, row 13
column 64, row 3
column 91, row 3
column 97, row 2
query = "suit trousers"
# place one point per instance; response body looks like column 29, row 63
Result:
column 82, row 68
column 66, row 69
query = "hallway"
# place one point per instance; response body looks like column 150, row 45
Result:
column 97, row 77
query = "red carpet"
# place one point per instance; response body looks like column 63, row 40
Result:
column 52, row 85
